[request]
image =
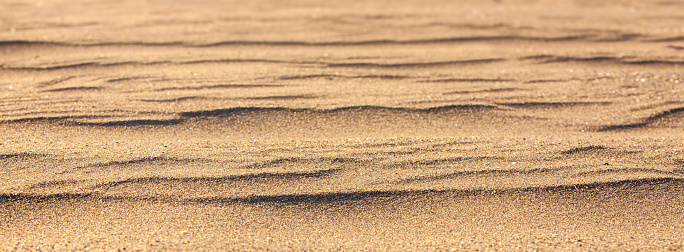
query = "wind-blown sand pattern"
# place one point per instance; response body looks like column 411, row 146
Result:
column 342, row 125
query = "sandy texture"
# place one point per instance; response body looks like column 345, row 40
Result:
column 342, row 125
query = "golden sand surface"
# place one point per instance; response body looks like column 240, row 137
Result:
column 341, row 125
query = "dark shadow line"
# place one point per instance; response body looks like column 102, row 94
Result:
column 125, row 79
column 466, row 80
column 602, row 59
column 670, row 39
column 32, row 43
column 79, row 65
column 340, row 197
column 579, row 150
column 139, row 161
column 622, row 127
column 492, row 90
column 233, row 111
column 136, row 63
column 315, row 76
column 62, row 119
column 440, row 109
column 259, row 176
column 132, row 123
column 552, row 104
column 179, row 99
column 538, row 57
column 665, row 113
column 397, row 42
column 676, row 47
column 644, row 122
column 303, row 43
column 619, row 38
column 420, row 64
column 557, row 59
column 21, row 155
column 280, row 97
column 56, row 43
column 73, row 89
column 241, row 110
column 625, row 170
column 543, row 81
column 282, row 161
column 56, row 81
column 653, row 62
column 221, row 86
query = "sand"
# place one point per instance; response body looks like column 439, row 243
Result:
column 341, row 125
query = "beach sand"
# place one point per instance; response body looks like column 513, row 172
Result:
column 341, row 125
